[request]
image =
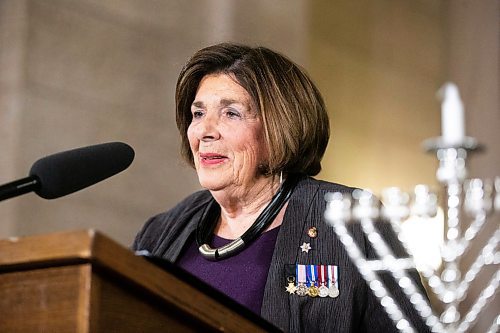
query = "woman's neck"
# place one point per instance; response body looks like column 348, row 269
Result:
column 240, row 207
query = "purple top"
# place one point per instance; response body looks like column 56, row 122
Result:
column 241, row 277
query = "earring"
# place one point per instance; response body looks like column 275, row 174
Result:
column 281, row 177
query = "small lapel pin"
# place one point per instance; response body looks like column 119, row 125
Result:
column 305, row 247
column 312, row 232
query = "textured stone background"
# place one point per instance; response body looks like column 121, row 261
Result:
column 76, row 73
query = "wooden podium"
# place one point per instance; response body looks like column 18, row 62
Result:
column 85, row 282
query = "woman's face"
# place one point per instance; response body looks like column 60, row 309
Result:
column 225, row 135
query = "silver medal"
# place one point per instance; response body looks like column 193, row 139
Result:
column 301, row 290
column 323, row 291
column 333, row 291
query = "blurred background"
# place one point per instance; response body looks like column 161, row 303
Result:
column 80, row 72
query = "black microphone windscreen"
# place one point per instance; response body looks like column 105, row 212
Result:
column 69, row 171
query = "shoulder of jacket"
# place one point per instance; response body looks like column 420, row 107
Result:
column 192, row 202
column 180, row 213
column 309, row 183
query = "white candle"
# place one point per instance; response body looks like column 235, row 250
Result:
column 452, row 115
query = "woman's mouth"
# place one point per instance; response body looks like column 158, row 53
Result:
column 212, row 158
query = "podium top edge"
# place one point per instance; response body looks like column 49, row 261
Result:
column 60, row 246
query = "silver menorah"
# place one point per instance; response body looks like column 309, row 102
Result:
column 465, row 199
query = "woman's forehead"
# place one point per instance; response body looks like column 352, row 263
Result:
column 223, row 89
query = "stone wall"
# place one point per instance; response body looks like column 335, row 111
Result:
column 77, row 73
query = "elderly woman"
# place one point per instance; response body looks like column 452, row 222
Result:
column 255, row 128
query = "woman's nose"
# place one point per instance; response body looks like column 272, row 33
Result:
column 208, row 128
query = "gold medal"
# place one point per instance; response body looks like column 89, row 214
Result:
column 313, row 291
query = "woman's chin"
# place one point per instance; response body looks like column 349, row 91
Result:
column 211, row 184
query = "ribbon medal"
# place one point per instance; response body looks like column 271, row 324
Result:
column 301, row 280
column 311, row 274
column 291, row 288
column 333, row 287
column 323, row 281
column 313, row 280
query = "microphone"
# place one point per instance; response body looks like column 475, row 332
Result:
column 66, row 172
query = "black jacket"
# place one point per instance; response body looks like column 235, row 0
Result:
column 355, row 310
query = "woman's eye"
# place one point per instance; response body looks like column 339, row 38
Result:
column 197, row 114
column 231, row 113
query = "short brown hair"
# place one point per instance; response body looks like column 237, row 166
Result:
column 294, row 117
